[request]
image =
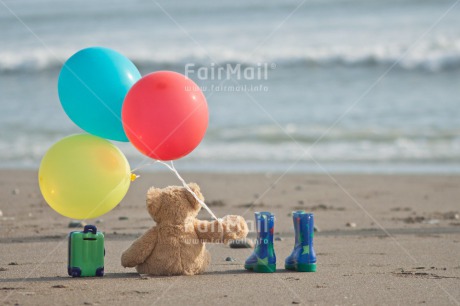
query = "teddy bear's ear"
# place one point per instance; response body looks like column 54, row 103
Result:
column 196, row 189
column 153, row 199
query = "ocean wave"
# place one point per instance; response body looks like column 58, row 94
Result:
column 273, row 134
column 24, row 151
column 436, row 55
column 268, row 144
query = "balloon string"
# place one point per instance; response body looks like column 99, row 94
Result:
column 143, row 166
column 173, row 169
column 203, row 204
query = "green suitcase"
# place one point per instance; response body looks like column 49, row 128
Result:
column 86, row 252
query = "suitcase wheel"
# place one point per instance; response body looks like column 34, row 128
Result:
column 100, row 271
column 75, row 272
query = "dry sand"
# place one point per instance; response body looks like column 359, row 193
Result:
column 405, row 248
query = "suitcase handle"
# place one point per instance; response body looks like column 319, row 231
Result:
column 90, row 228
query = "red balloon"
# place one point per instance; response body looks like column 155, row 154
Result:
column 165, row 115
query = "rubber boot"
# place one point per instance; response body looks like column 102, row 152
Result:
column 303, row 257
column 263, row 259
column 289, row 263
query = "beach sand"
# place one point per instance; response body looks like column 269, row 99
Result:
column 402, row 247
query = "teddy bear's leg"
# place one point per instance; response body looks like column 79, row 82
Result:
column 140, row 249
column 141, row 269
column 205, row 260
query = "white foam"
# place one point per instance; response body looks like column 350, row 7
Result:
column 434, row 55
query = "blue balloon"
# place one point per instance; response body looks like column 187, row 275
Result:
column 92, row 86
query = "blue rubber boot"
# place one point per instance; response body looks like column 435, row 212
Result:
column 304, row 257
column 289, row 263
column 263, row 259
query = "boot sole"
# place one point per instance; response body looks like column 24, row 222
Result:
column 270, row 268
column 301, row 267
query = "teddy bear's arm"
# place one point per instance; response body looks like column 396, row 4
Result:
column 229, row 227
column 209, row 231
column 138, row 252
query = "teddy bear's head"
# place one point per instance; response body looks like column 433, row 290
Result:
column 173, row 204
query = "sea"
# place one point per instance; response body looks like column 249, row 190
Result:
column 314, row 86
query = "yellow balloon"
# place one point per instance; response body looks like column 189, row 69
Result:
column 83, row 176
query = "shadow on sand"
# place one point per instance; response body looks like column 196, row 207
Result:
column 134, row 275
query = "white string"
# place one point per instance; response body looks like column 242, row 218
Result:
column 143, row 166
column 203, row 204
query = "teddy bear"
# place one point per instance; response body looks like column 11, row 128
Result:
column 176, row 245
